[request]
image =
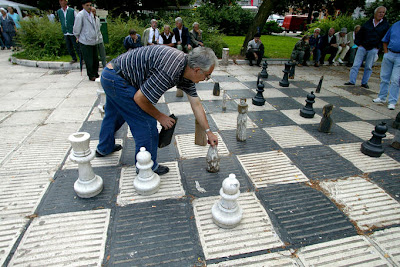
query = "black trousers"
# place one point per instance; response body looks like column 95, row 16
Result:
column 260, row 53
column 91, row 57
column 72, row 46
column 328, row 50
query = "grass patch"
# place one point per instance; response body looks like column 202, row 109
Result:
column 275, row 46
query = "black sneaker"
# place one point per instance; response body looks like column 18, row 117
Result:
column 160, row 170
column 365, row 85
column 117, row 147
column 349, row 83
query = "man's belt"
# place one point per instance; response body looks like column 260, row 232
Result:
column 117, row 70
column 394, row 51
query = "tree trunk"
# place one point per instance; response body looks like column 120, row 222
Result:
column 263, row 12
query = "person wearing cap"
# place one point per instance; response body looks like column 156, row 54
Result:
column 8, row 28
column 66, row 16
column 343, row 45
column 135, row 81
column 390, row 68
column 255, row 50
column 351, row 36
column 85, row 31
column 369, row 40
column 328, row 46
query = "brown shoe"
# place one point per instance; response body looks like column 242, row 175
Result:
column 92, row 79
column 316, row 65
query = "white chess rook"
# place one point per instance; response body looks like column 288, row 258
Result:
column 88, row 184
column 226, row 212
column 102, row 94
column 147, row 182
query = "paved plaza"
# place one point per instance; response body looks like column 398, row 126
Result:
column 308, row 198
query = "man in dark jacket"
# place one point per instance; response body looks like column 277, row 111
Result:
column 66, row 15
column 369, row 41
column 182, row 36
column 328, row 46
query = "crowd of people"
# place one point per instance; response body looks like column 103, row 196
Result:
column 9, row 24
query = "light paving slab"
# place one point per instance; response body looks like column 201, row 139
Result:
column 76, row 238
column 255, row 231
column 79, row 101
column 272, row 167
column 389, row 241
column 291, row 136
column 361, row 129
column 10, row 230
column 351, row 251
column 170, row 187
column 109, row 160
column 78, row 114
column 22, row 94
column 39, row 103
column 208, row 95
column 61, row 92
column 271, row 93
column 364, row 202
column 188, row 150
column 294, row 115
column 4, row 115
column 26, row 117
column 244, row 78
column 232, row 86
column 12, row 137
column 365, row 113
column 228, row 121
column 180, row 108
column 251, row 107
column 277, row 259
column 319, row 103
column 7, row 105
column 365, row 163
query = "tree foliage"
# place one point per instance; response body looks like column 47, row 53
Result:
column 393, row 9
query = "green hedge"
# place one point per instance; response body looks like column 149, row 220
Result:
column 338, row 23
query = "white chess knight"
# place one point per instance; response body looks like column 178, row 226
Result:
column 147, row 182
column 226, row 212
column 88, row 184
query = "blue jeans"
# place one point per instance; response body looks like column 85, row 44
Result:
column 390, row 72
column 358, row 60
column 316, row 55
column 8, row 39
column 121, row 107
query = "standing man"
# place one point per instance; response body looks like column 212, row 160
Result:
column 255, row 50
column 151, row 35
column 369, row 40
column 182, row 36
column 132, row 41
column 135, row 81
column 343, row 45
column 66, row 15
column 15, row 17
column 85, row 32
column 100, row 45
column 328, row 46
column 390, row 68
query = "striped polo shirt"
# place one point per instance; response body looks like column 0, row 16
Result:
column 154, row 69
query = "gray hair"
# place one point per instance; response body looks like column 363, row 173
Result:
column 166, row 25
column 357, row 26
column 178, row 19
column 153, row 20
column 317, row 29
column 195, row 23
column 203, row 58
column 376, row 9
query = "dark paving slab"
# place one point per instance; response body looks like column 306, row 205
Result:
column 236, row 94
column 253, row 85
column 321, row 162
column 186, row 124
column 356, row 90
column 61, row 196
column 304, row 215
column 338, row 101
column 204, row 86
column 338, row 135
column 270, row 118
column 304, row 84
column 170, row 96
column 389, row 181
column 215, row 106
column 257, row 141
column 339, row 115
column 224, row 78
column 295, row 92
column 390, row 151
column 93, row 128
column 195, row 170
column 282, row 103
column 159, row 233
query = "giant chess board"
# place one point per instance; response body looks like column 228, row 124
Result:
column 308, row 198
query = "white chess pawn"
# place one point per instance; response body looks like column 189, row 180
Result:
column 226, row 212
column 147, row 182
column 88, row 184
column 102, row 94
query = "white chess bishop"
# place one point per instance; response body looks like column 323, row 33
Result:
column 226, row 212
column 147, row 182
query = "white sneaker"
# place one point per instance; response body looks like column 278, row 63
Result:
column 391, row 106
column 378, row 100
column 340, row 61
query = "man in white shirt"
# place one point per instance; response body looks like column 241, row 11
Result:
column 151, row 35
column 343, row 45
column 167, row 37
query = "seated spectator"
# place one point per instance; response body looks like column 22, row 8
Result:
column 315, row 46
column 132, row 41
column 151, row 34
column 328, row 46
column 343, row 45
column 167, row 37
column 299, row 51
column 255, row 50
column 182, row 36
column 196, row 35
column 351, row 36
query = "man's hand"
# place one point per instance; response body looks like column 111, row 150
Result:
column 166, row 121
column 189, row 46
column 255, row 55
column 212, row 139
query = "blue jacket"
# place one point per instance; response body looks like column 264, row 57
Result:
column 128, row 42
column 315, row 42
column 371, row 37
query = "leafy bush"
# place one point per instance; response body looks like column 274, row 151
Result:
column 393, row 9
column 270, row 27
column 42, row 39
column 338, row 23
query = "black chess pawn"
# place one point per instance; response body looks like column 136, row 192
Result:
column 292, row 69
column 373, row 147
column 308, row 111
column 319, row 84
column 264, row 73
column 285, row 81
column 396, row 123
column 326, row 122
column 216, row 90
column 258, row 99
